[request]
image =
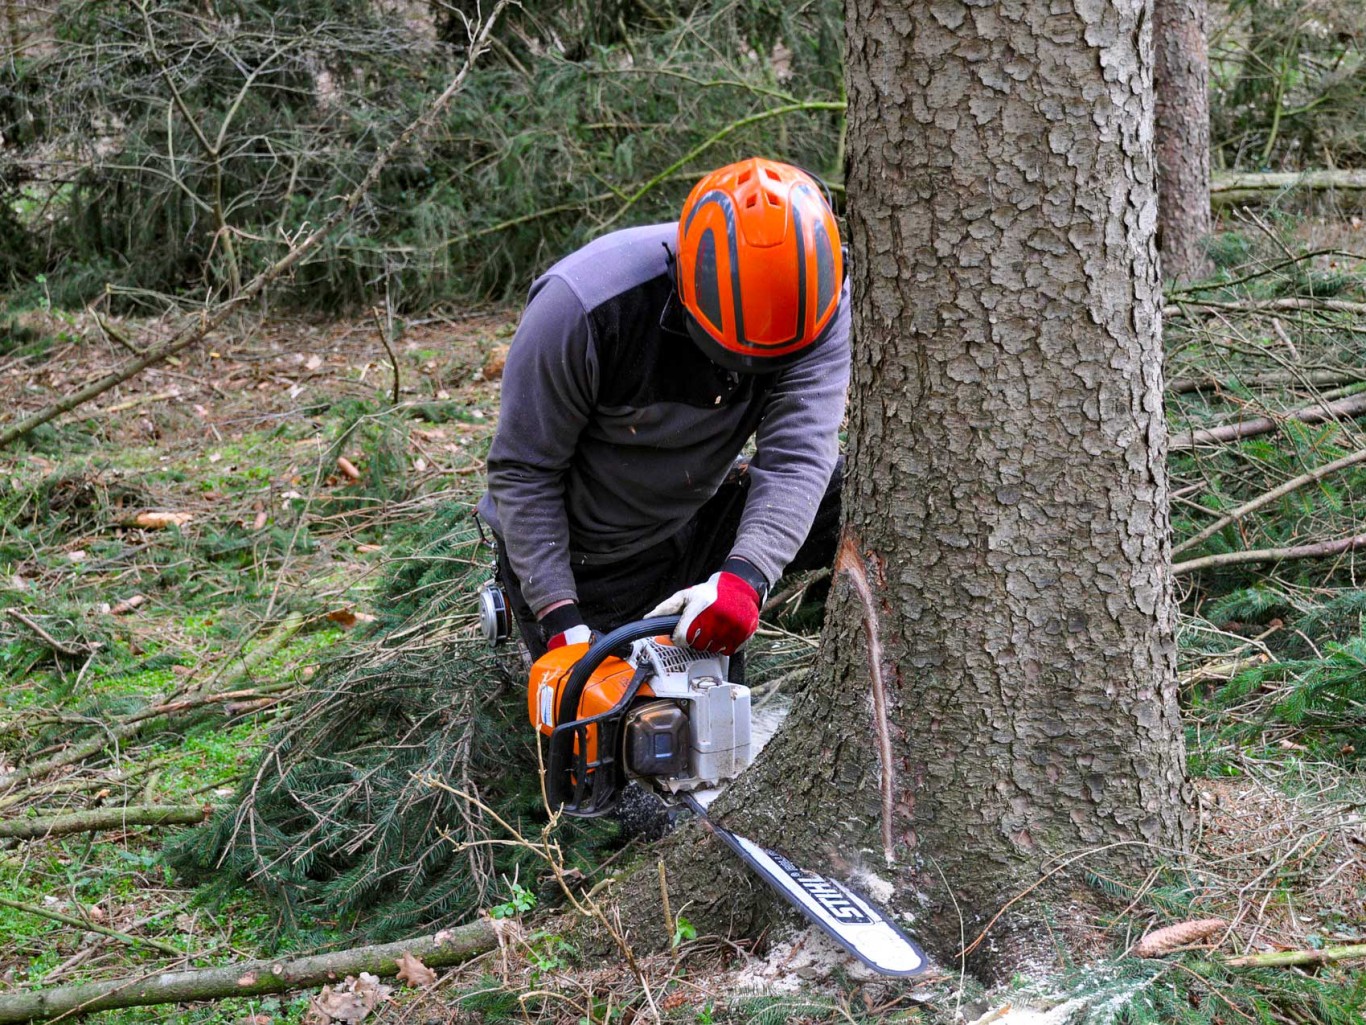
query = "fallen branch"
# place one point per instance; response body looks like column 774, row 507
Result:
column 252, row 978
column 209, row 319
column 58, row 646
column 1316, row 474
column 1318, row 378
column 134, row 724
column 1180, row 307
column 1352, row 406
column 80, row 923
column 104, row 818
column 1228, row 189
column 1319, row 550
column 1294, row 958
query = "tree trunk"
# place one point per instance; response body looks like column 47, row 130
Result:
column 997, row 682
column 1181, row 80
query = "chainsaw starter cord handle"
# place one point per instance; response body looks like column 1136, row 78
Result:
column 599, row 650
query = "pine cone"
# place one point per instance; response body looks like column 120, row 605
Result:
column 1173, row 937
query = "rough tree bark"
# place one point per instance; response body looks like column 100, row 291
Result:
column 996, row 687
column 1181, row 81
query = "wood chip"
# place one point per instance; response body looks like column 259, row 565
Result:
column 349, row 617
column 128, row 605
column 159, row 520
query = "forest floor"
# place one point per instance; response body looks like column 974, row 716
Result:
column 144, row 660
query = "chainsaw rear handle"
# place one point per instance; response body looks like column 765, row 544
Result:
column 598, row 651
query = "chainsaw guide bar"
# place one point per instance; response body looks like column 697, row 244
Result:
column 843, row 914
column 668, row 716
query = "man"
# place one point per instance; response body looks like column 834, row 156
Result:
column 642, row 366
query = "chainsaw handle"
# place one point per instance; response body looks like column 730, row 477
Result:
column 599, row 650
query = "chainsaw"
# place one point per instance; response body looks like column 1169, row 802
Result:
column 632, row 705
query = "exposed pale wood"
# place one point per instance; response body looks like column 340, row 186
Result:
column 1293, row 958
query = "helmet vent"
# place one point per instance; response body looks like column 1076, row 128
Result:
column 745, row 176
column 751, row 201
column 772, row 198
column 773, row 173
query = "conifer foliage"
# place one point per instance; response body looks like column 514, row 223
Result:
column 337, row 818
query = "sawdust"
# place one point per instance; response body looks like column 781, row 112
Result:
column 804, row 960
column 873, row 885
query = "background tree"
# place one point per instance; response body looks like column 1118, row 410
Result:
column 1181, row 79
column 996, row 685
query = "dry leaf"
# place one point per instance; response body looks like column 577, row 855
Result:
column 367, row 549
column 313, row 363
column 1173, row 937
column 673, row 1001
column 127, row 605
column 260, row 521
column 159, row 520
column 77, row 556
column 348, row 468
column 413, row 972
column 352, row 1001
column 494, row 362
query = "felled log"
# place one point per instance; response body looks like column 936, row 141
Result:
column 1228, row 189
column 252, row 978
column 104, row 818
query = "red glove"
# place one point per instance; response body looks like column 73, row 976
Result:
column 564, row 625
column 716, row 616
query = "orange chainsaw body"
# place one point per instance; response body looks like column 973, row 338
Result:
column 603, row 690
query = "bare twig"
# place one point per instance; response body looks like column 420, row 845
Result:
column 134, row 724
column 81, row 923
column 211, row 318
column 384, row 324
column 1233, row 516
column 1318, row 550
column 59, row 647
column 1351, row 406
column 1286, row 305
column 1316, row 378
column 1299, row 958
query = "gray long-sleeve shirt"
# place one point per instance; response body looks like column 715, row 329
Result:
column 615, row 428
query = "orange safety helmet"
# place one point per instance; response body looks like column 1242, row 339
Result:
column 760, row 268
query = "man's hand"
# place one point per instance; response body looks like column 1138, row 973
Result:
column 562, row 625
column 718, row 615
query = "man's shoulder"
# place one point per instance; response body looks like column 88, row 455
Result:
column 614, row 263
